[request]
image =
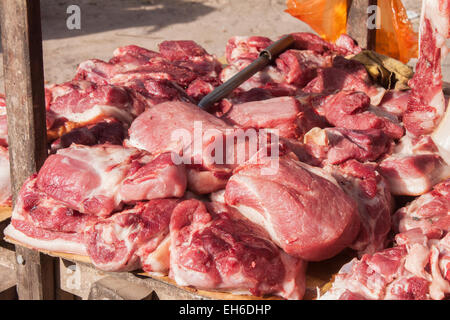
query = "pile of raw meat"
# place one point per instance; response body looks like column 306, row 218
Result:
column 139, row 177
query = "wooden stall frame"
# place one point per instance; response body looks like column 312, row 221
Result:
column 7, row 260
column 357, row 23
column 25, row 100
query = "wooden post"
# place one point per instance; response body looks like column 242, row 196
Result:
column 25, row 99
column 357, row 26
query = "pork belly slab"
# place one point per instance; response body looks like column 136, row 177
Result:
column 44, row 223
column 126, row 241
column 303, row 208
column 214, row 248
column 97, row 180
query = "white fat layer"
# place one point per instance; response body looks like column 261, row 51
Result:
column 98, row 111
column 57, row 245
column 259, row 218
column 406, row 185
column 218, row 196
column 377, row 98
column 441, row 136
column 159, row 260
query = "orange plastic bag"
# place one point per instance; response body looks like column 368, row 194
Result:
column 328, row 18
column 396, row 37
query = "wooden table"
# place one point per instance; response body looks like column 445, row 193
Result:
column 78, row 276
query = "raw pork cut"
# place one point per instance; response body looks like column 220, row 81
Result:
column 153, row 130
column 395, row 102
column 426, row 106
column 405, row 272
column 337, row 145
column 44, row 223
column 96, row 180
column 80, row 103
column 378, row 277
column 123, row 241
column 344, row 45
column 299, row 66
column 239, row 48
column 371, row 192
column 106, row 132
column 190, row 55
column 330, row 80
column 269, row 76
column 277, row 113
column 310, row 41
column 414, row 167
column 303, row 208
column 38, row 209
column 352, row 110
column 157, row 179
column 353, row 67
column 241, row 52
column 120, row 71
column 214, row 248
column 158, row 77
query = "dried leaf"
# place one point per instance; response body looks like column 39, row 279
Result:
column 388, row 72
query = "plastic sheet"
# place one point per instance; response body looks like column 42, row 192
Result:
column 396, row 37
column 327, row 17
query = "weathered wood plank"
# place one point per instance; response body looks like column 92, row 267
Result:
column 111, row 288
column 7, row 258
column 357, row 25
column 5, row 213
column 25, row 100
column 77, row 275
column 7, row 284
column 35, row 275
column 24, row 86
